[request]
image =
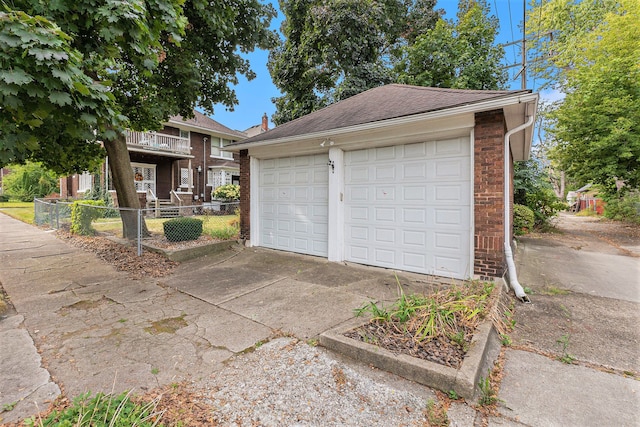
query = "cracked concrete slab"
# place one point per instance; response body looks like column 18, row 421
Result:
column 538, row 391
column 296, row 307
column 24, row 384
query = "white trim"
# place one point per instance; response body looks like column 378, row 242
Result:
column 254, row 202
column 472, row 204
column 405, row 120
column 335, row 235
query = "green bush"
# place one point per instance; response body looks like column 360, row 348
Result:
column 625, row 208
column 523, row 219
column 227, row 193
column 545, row 205
column 83, row 214
column 4, row 198
column 26, row 182
column 180, row 229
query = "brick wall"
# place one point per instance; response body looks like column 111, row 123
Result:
column 245, row 195
column 488, row 194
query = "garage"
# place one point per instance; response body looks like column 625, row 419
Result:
column 408, row 207
column 293, row 204
column 403, row 177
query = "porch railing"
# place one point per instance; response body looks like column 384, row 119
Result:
column 158, row 142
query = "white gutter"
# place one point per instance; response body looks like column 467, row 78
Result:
column 511, row 274
column 523, row 98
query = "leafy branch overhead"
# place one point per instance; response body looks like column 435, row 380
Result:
column 77, row 72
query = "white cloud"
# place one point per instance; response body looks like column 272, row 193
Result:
column 549, row 96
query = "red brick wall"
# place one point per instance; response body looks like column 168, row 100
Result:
column 488, row 194
column 245, row 195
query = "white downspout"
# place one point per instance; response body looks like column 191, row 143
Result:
column 512, row 276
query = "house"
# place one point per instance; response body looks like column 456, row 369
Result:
column 185, row 160
column 258, row 129
column 403, row 177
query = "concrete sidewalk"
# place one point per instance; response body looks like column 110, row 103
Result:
column 93, row 327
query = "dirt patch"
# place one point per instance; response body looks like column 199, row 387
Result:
column 6, row 308
column 168, row 326
column 123, row 258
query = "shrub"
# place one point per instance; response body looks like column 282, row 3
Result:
column 26, row 182
column 523, row 219
column 545, row 205
column 227, row 193
column 83, row 214
column 181, row 229
column 4, row 198
column 625, row 208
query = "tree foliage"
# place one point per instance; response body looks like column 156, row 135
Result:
column 28, row 181
column 458, row 54
column 335, row 49
column 595, row 60
column 107, row 65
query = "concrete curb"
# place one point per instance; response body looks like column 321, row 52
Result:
column 186, row 254
column 483, row 351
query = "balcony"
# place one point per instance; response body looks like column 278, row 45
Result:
column 159, row 142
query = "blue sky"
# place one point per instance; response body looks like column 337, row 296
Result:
column 255, row 96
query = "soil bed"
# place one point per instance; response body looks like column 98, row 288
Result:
column 439, row 350
column 437, row 327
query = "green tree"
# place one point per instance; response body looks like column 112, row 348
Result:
column 116, row 64
column 337, row 48
column 28, row 181
column 594, row 58
column 460, row 54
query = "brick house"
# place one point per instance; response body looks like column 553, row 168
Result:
column 186, row 159
column 403, row 177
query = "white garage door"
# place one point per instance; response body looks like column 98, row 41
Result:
column 408, row 207
column 293, row 204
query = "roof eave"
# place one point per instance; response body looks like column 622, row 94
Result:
column 491, row 104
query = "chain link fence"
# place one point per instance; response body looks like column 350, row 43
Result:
column 163, row 226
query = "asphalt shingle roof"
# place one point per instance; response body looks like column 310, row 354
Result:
column 377, row 104
column 207, row 122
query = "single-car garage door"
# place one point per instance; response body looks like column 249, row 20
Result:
column 293, row 204
column 408, row 207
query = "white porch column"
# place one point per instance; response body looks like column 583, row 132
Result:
column 190, row 177
column 336, row 205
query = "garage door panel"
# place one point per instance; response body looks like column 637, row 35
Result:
column 416, row 218
column 293, row 204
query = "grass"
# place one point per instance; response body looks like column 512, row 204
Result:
column 447, row 313
column 22, row 211
column 216, row 226
column 102, row 410
column 488, row 395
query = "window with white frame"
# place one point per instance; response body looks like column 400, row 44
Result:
column 185, row 175
column 144, row 176
column 184, row 134
column 217, row 145
column 217, row 178
column 85, row 182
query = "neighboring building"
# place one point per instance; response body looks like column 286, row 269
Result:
column 186, row 159
column 258, row 129
column 403, row 177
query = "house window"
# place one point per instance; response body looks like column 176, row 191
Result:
column 184, row 134
column 216, row 178
column 144, row 176
column 85, row 182
column 216, row 148
column 185, row 174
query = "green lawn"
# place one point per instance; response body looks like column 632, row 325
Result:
column 18, row 210
column 210, row 224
